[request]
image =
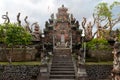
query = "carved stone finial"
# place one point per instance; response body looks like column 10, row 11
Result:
column 36, row 27
column 7, row 20
column 46, row 24
column 36, row 34
column 63, row 6
column 71, row 16
column 27, row 25
column 52, row 16
column 18, row 19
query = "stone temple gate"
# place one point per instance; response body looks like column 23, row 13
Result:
column 62, row 37
column 62, row 31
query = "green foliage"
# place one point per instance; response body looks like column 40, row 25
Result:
column 117, row 35
column 100, row 63
column 114, row 4
column 22, row 63
column 13, row 34
column 103, row 10
column 98, row 44
column 2, row 33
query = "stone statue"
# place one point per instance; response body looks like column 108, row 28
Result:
column 116, row 63
column 89, row 30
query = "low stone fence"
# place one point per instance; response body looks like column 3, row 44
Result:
column 19, row 54
column 22, row 72
column 32, row 72
column 99, row 72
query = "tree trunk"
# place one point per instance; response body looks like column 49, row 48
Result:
column 10, row 56
column 7, row 54
column 23, row 53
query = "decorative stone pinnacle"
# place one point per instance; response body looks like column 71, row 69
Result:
column 62, row 5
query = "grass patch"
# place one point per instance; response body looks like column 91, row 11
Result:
column 22, row 63
column 99, row 63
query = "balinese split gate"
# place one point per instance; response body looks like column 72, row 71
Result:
column 63, row 34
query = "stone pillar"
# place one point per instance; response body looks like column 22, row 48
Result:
column 116, row 63
column 81, row 70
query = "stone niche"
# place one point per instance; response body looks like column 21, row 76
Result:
column 19, row 54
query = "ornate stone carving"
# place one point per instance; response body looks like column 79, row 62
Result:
column 52, row 16
column 116, row 62
column 27, row 25
column 36, row 34
column 7, row 20
column 63, row 26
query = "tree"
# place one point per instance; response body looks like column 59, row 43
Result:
column 104, row 16
column 87, row 27
column 14, row 34
column 2, row 35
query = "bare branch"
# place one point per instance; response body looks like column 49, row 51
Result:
column 116, row 21
column 94, row 34
column 102, row 19
column 94, row 19
column 110, row 24
column 105, row 26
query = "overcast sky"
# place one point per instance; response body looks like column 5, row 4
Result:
column 40, row 10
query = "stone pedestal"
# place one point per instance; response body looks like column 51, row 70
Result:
column 81, row 73
column 44, row 73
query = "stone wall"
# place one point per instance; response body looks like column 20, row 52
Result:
column 99, row 72
column 19, row 72
column 25, row 72
column 19, row 54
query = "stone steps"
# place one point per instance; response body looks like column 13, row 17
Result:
column 62, row 72
column 61, row 79
column 62, row 66
column 62, row 69
column 69, row 61
column 62, row 76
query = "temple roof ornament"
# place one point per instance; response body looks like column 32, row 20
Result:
column 36, row 34
column 52, row 16
column 62, row 8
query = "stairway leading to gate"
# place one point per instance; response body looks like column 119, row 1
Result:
column 62, row 67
